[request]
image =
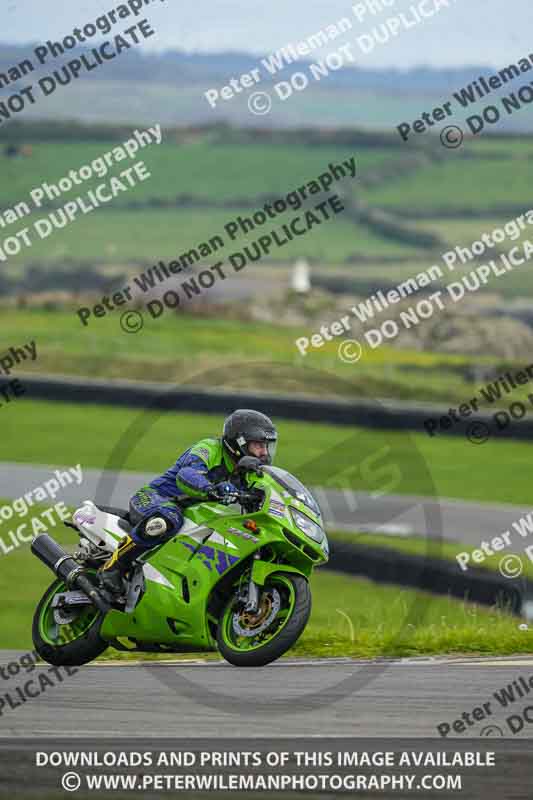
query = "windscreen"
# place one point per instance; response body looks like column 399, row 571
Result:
column 294, row 487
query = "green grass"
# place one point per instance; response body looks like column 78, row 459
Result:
column 365, row 460
column 356, row 617
column 457, row 184
column 350, row 617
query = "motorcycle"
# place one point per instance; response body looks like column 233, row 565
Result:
column 229, row 579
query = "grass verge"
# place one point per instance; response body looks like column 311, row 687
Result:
column 267, row 357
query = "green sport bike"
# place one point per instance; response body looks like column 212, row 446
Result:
column 232, row 580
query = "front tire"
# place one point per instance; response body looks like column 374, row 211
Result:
column 253, row 641
column 68, row 645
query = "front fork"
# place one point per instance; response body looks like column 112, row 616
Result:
column 250, row 593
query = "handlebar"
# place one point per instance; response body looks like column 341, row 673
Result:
column 250, row 497
column 242, row 497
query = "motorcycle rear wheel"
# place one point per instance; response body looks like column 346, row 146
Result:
column 71, row 644
column 247, row 640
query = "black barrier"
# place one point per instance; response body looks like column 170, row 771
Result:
column 388, row 416
column 385, row 565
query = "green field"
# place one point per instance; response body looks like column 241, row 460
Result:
column 119, row 236
column 330, row 456
column 463, row 232
column 458, row 184
column 210, row 170
column 201, row 169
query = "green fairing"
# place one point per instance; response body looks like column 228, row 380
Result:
column 179, row 610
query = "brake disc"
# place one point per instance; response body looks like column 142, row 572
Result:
column 257, row 623
column 67, row 606
column 64, row 617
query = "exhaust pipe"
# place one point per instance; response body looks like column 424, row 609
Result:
column 63, row 565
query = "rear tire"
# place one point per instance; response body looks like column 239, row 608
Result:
column 289, row 631
column 70, row 649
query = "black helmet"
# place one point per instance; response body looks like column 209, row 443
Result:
column 244, row 426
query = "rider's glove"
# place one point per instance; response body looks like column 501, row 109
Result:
column 225, row 492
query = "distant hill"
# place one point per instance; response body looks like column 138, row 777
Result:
column 186, row 69
column 168, row 88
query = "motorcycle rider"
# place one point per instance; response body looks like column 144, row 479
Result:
column 201, row 473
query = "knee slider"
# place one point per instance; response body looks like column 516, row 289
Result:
column 156, row 526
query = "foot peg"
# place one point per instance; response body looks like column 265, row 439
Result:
column 111, row 582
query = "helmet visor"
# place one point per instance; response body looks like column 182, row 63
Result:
column 264, row 449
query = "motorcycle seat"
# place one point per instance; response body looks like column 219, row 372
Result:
column 117, row 512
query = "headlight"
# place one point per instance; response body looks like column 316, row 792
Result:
column 307, row 525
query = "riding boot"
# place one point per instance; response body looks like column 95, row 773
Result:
column 111, row 574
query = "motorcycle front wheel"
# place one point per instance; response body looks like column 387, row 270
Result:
column 253, row 640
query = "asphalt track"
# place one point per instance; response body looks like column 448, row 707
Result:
column 465, row 522
column 400, row 699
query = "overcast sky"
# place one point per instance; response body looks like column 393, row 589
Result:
column 490, row 32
